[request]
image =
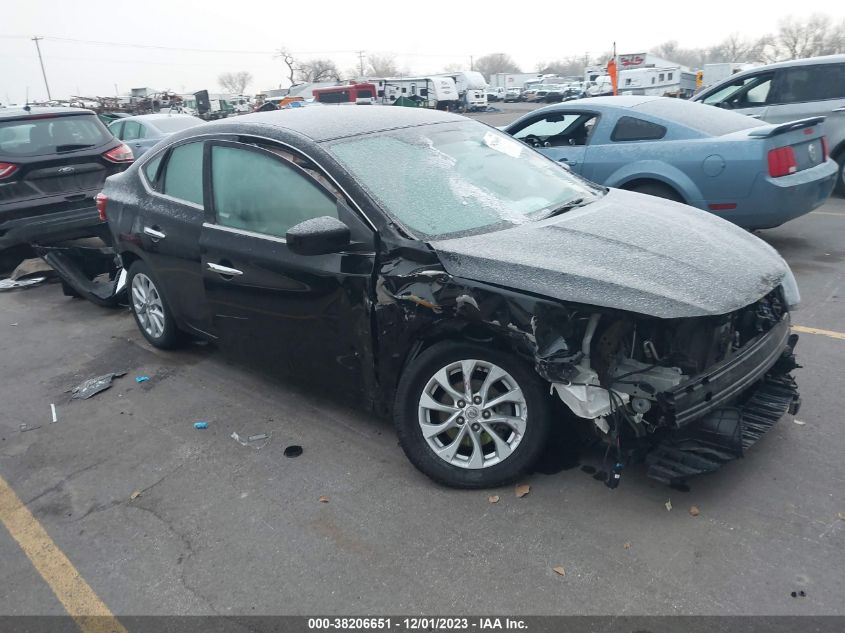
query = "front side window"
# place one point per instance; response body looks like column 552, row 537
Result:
column 131, row 130
column 256, row 191
column 558, row 130
column 743, row 93
column 183, row 174
column 630, row 128
column 451, row 179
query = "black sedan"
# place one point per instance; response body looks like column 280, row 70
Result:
column 464, row 283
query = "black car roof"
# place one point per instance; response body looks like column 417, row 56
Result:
column 323, row 123
column 8, row 114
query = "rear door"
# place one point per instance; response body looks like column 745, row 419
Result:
column 308, row 313
column 812, row 90
column 171, row 222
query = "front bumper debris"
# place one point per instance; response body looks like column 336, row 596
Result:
column 725, row 433
column 88, row 271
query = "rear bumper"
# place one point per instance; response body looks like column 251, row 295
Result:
column 52, row 227
column 773, row 201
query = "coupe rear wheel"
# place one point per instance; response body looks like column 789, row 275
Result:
column 150, row 309
column 656, row 189
column 471, row 417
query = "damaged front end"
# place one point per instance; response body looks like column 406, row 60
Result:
column 685, row 395
column 88, row 268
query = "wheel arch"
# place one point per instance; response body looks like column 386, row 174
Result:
column 657, row 172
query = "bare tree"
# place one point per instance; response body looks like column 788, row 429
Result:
column 573, row 65
column 496, row 63
column 290, row 61
column 454, row 68
column 816, row 35
column 235, row 83
column 316, row 70
column 382, row 65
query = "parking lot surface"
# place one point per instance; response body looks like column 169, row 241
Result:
column 223, row 528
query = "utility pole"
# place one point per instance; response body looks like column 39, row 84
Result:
column 41, row 61
column 361, row 61
column 470, row 63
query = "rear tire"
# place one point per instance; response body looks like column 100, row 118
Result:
column 840, row 179
column 465, row 454
column 658, row 190
column 150, row 307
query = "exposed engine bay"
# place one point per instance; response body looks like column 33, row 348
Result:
column 651, row 380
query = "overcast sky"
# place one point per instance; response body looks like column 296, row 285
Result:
column 424, row 36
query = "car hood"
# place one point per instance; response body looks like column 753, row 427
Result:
column 626, row 251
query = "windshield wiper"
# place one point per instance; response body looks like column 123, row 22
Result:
column 568, row 206
column 72, row 146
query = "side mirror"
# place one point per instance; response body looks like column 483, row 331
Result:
column 318, row 236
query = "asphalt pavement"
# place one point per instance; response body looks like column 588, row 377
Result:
column 160, row 518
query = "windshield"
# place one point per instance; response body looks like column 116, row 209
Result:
column 176, row 123
column 49, row 135
column 453, row 179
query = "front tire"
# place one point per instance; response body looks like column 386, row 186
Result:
column 471, row 417
column 150, row 308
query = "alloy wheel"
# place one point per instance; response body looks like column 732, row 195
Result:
column 147, row 304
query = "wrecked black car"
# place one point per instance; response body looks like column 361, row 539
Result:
column 465, row 284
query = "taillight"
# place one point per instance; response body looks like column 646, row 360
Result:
column 102, row 200
column 782, row 162
column 7, row 169
column 120, row 154
column 824, row 148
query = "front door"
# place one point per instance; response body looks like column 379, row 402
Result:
column 562, row 136
column 748, row 95
column 308, row 314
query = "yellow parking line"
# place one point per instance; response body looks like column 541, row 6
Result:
column 841, row 215
column 79, row 600
column 815, row 330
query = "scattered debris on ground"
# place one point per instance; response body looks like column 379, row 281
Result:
column 521, row 490
column 135, row 495
column 798, row 594
column 141, row 378
column 668, row 505
column 32, row 268
column 93, row 386
column 293, row 450
column 799, row 422
column 560, row 571
column 627, row 546
column 200, row 425
column 11, row 284
column 493, row 498
column 694, row 511
column 53, row 412
column 25, row 427
column 842, row 515
column 323, row 499
column 257, row 441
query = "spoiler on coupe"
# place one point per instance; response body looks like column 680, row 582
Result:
column 783, row 128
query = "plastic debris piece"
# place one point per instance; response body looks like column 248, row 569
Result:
column 668, row 505
column 257, row 441
column 842, row 515
column 799, row 422
column 560, row 571
column 293, row 450
column 13, row 324
column 694, row 511
column 25, row 427
column 627, row 546
column 135, row 495
column 93, row 386
column 30, row 268
column 200, row 425
column 141, row 378
column 323, row 499
column 493, row 498
column 521, row 490
column 11, row 284
column 53, row 411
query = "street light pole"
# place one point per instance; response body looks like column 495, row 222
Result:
column 41, row 61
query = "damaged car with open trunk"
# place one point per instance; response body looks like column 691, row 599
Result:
column 463, row 283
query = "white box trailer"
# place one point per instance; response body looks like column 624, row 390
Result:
column 472, row 87
column 430, row 91
column 513, row 80
column 714, row 73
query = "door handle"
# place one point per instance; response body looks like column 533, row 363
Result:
column 156, row 235
column 224, row 270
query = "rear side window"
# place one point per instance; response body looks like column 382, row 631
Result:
column 116, row 129
column 629, row 128
column 183, row 174
column 810, row 83
column 52, row 135
column 132, row 130
column 258, row 192
column 697, row 116
column 151, row 171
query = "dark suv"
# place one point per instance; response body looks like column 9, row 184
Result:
column 53, row 162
